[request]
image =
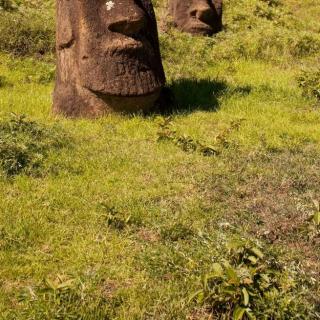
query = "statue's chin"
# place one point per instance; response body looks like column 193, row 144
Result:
column 79, row 102
column 129, row 103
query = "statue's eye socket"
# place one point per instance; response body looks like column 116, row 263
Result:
column 193, row 13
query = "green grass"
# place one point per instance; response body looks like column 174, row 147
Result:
column 115, row 224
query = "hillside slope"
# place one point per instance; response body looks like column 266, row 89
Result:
column 207, row 212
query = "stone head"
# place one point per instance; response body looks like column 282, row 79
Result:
column 202, row 17
column 108, row 57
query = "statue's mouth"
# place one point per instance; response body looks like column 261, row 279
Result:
column 199, row 27
column 106, row 97
column 129, row 103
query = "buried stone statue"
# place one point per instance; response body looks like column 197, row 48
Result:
column 202, row 17
column 108, row 57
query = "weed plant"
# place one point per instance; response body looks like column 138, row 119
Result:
column 309, row 81
column 25, row 144
column 8, row 5
column 251, row 286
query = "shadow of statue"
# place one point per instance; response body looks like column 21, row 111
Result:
column 189, row 95
column 197, row 94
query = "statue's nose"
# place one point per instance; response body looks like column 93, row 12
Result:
column 202, row 11
column 129, row 24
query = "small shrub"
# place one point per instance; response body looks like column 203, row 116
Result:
column 189, row 144
column 264, row 11
column 306, row 45
column 177, row 231
column 273, row 3
column 251, row 286
column 4, row 82
column 118, row 220
column 8, row 5
column 309, row 81
column 311, row 228
column 25, row 144
column 186, row 143
column 26, row 32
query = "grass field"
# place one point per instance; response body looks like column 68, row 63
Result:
column 171, row 216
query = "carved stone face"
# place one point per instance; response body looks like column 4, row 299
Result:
column 108, row 52
column 203, row 17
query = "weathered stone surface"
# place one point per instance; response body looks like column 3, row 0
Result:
column 202, row 17
column 108, row 57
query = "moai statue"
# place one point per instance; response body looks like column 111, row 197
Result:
column 108, row 57
column 202, row 17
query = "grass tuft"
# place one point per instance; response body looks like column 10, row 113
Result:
column 24, row 145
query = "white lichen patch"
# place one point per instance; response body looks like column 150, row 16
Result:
column 110, row 5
